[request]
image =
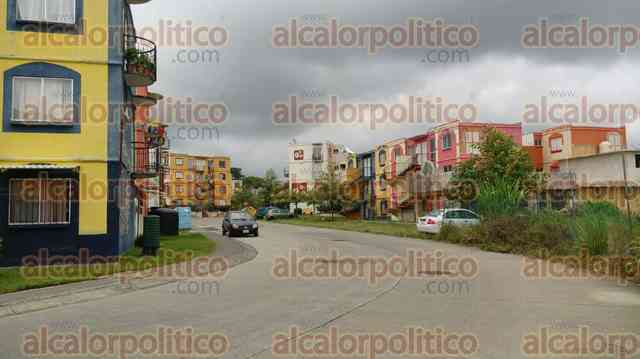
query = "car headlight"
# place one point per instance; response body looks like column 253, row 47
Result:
column 255, row 225
column 234, row 226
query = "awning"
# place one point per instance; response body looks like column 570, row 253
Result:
column 37, row 166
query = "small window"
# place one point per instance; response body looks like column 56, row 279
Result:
column 383, row 184
column 222, row 164
column 179, row 161
column 382, row 157
column 179, row 175
column 637, row 161
column 613, row 139
column 223, row 176
column 556, row 144
column 448, row 168
column 46, row 11
column 446, row 141
column 223, row 189
column 179, row 189
column 42, row 100
column 39, row 201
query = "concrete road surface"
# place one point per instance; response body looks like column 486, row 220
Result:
column 479, row 306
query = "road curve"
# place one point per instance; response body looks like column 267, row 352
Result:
column 498, row 305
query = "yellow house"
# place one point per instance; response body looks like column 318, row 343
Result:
column 199, row 180
column 69, row 71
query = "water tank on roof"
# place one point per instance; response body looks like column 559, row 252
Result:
column 604, row 147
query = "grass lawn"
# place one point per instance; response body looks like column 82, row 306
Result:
column 407, row 230
column 173, row 249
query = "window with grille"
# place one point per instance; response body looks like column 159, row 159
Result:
column 471, row 140
column 556, row 144
column 637, row 161
column 39, row 201
column 446, row 141
column 42, row 100
column 222, row 164
column 49, row 11
column 317, row 153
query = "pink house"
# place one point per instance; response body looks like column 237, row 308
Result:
column 455, row 140
column 446, row 146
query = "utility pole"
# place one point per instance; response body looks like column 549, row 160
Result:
column 626, row 192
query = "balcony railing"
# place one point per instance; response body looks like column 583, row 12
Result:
column 140, row 59
column 149, row 153
column 147, row 164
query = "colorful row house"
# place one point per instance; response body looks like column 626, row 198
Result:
column 393, row 187
column 71, row 70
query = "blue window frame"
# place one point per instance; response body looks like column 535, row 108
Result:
column 40, row 70
column 66, row 27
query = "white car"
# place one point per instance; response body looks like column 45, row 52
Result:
column 432, row 222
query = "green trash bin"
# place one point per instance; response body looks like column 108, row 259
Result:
column 151, row 238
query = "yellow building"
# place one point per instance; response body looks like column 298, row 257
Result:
column 66, row 154
column 203, row 181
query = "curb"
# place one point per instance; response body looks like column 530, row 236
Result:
column 28, row 301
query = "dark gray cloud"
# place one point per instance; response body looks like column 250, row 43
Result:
column 500, row 77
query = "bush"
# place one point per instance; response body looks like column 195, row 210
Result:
column 499, row 199
column 600, row 229
column 451, row 234
column 297, row 212
column 549, row 233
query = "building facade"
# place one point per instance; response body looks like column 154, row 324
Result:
column 66, row 146
column 202, row 181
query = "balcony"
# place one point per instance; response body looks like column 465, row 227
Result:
column 353, row 174
column 400, row 167
column 147, row 100
column 149, row 152
column 140, row 59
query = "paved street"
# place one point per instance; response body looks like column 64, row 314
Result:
column 250, row 306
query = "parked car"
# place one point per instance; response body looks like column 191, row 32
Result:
column 275, row 213
column 432, row 222
column 239, row 223
column 261, row 213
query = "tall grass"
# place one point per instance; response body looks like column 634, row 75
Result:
column 600, row 228
column 499, row 199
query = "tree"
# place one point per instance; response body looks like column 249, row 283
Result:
column 502, row 172
column 269, row 188
column 242, row 199
column 331, row 191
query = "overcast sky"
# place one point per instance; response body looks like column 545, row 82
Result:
column 499, row 79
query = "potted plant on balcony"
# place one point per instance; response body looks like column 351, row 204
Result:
column 138, row 63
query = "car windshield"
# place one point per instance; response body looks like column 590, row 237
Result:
column 239, row 216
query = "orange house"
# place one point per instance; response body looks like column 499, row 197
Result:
column 566, row 142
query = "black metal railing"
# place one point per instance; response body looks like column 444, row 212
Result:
column 140, row 61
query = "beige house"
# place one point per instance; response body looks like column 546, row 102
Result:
column 600, row 177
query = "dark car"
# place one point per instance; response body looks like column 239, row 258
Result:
column 239, row 223
column 262, row 212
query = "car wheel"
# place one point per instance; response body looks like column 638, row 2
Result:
column 255, row 234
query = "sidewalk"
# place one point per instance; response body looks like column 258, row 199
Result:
column 233, row 251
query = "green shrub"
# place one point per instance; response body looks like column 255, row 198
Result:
column 603, row 209
column 499, row 199
column 600, row 228
column 549, row 234
column 451, row 234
